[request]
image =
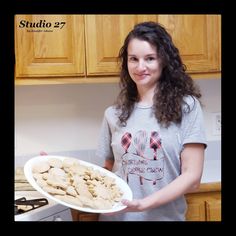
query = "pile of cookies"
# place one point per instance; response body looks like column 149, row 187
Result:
column 77, row 184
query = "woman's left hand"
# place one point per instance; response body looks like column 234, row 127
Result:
column 132, row 206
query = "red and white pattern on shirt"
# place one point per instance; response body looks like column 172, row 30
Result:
column 126, row 141
column 155, row 143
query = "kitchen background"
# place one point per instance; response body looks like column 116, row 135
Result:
column 66, row 76
column 66, row 119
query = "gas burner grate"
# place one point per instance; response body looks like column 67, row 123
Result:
column 22, row 205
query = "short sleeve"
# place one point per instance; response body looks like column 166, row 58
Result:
column 104, row 150
column 193, row 127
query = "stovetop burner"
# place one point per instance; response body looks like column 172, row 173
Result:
column 22, row 205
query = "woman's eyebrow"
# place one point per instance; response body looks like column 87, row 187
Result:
column 151, row 54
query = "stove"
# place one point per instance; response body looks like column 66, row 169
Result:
column 33, row 206
column 23, row 205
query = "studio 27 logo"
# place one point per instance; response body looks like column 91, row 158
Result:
column 41, row 25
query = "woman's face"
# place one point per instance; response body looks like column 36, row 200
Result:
column 144, row 66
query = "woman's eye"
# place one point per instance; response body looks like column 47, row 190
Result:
column 150, row 58
column 132, row 59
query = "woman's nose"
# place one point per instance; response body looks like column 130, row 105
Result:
column 141, row 65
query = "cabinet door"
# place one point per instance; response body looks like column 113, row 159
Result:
column 204, row 205
column 82, row 216
column 213, row 210
column 88, row 217
column 105, row 35
column 198, row 39
column 46, row 47
column 196, row 211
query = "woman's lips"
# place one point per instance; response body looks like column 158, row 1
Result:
column 141, row 76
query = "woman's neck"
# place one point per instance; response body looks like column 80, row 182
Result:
column 146, row 96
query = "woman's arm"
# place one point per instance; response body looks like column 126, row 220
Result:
column 109, row 164
column 192, row 159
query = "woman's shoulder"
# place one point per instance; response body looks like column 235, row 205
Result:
column 190, row 102
column 111, row 110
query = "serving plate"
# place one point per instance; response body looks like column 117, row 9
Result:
column 127, row 193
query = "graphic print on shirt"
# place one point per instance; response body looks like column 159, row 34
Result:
column 145, row 159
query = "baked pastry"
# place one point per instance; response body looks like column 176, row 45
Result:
column 74, row 183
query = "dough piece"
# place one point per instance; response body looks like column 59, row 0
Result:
column 78, row 170
column 54, row 162
column 69, row 199
column 38, row 176
column 82, row 190
column 53, row 191
column 56, row 182
column 69, row 162
column 41, row 182
column 57, row 172
column 76, row 180
column 71, row 191
column 100, row 203
column 87, row 202
column 102, row 192
column 109, row 182
column 41, row 167
column 45, row 175
column 96, row 175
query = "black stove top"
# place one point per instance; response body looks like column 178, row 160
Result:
column 23, row 205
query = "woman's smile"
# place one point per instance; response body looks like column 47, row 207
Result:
column 141, row 76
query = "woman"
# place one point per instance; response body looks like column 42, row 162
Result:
column 153, row 136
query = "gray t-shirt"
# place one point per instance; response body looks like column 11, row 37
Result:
column 147, row 155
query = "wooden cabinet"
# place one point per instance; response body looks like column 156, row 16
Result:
column 196, row 36
column 213, row 209
column 84, row 48
column 205, row 205
column 198, row 39
column 83, row 216
column 49, row 46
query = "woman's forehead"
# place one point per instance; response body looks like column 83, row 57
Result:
column 136, row 45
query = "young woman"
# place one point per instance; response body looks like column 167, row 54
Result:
column 153, row 136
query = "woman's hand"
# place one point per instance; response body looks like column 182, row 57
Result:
column 135, row 205
column 132, row 206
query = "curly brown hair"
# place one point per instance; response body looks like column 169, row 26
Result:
column 173, row 85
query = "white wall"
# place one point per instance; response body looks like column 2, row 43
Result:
column 60, row 117
column 68, row 117
column 211, row 99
